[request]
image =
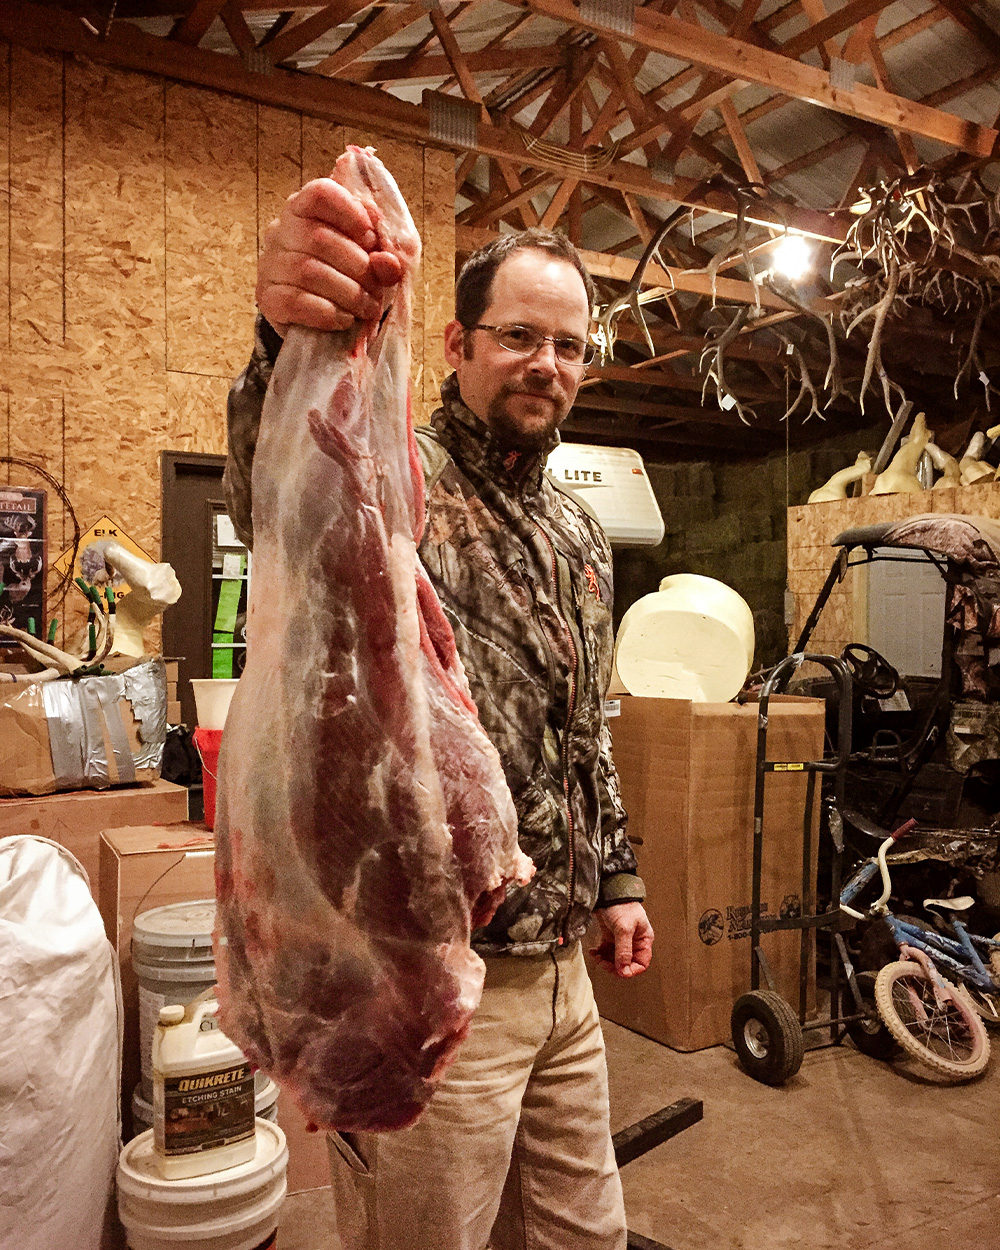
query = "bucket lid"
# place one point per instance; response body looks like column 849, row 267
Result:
column 178, row 926
column 138, row 1177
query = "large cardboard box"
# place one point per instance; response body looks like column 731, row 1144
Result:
column 153, row 866
column 75, row 818
column 687, row 780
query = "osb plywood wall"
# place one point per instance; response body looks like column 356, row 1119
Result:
column 131, row 213
column 812, row 527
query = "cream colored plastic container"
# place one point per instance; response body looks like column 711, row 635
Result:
column 691, row 639
column 203, row 1094
column 212, row 697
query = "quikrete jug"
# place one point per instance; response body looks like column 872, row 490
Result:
column 203, row 1094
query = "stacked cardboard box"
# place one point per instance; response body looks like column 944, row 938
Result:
column 687, row 781
column 173, row 702
column 152, row 866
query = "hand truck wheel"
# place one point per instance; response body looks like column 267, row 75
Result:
column 767, row 1036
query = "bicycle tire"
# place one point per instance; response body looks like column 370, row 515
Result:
column 767, row 1036
column 870, row 1037
column 951, row 1040
column 985, row 1003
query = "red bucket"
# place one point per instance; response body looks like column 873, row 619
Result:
column 208, row 742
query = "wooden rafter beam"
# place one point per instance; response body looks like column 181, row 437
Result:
column 819, row 32
column 293, row 40
column 386, row 24
column 128, row 47
column 489, row 61
column 192, row 28
column 236, row 25
column 740, row 60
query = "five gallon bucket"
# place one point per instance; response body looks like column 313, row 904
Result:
column 208, row 743
column 235, row 1209
column 172, row 957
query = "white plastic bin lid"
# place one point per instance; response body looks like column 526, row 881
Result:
column 692, row 639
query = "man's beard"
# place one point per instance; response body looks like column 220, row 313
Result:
column 509, row 430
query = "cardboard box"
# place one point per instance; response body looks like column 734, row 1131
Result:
column 153, row 866
column 174, row 713
column 687, row 780
column 76, row 818
column 92, row 731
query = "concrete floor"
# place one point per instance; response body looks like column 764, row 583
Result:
column 851, row 1154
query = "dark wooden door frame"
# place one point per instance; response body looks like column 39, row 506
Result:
column 191, row 491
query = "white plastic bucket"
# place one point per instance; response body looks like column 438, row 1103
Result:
column 265, row 1104
column 172, row 957
column 236, row 1209
column 212, row 696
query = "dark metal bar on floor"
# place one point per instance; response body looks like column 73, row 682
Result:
column 636, row 1241
column 659, row 1127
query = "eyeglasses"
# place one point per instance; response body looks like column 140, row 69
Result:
column 526, row 341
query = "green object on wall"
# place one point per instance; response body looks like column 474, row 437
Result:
column 223, row 638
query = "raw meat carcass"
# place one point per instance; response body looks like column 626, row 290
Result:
column 364, row 825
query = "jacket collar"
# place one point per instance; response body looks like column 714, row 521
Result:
column 473, row 446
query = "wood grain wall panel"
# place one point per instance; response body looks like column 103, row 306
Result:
column 132, row 265
column 279, row 162
column 438, row 269
column 5, row 100
column 114, row 218
column 211, row 230
column 36, row 191
column 322, row 143
column 196, row 413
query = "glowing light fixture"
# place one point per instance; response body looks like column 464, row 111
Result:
column 792, row 257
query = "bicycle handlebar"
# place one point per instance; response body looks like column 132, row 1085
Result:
column 868, row 870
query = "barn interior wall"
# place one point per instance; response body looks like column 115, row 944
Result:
column 729, row 521
column 132, row 209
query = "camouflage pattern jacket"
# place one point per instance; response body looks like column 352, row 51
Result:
column 524, row 576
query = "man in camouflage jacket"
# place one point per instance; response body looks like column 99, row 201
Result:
column 524, row 576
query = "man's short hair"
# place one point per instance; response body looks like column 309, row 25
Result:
column 475, row 280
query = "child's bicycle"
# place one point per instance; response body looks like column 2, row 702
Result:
column 934, row 1020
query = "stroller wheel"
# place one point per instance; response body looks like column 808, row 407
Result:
column 767, row 1036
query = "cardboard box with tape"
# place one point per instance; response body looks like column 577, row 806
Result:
column 687, row 781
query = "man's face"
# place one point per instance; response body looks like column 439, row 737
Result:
column 523, row 399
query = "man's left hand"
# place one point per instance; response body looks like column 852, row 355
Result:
column 626, row 939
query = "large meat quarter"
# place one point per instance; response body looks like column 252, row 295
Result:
column 364, row 825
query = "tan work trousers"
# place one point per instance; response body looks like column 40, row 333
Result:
column 514, row 1150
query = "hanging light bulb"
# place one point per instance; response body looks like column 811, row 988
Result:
column 792, row 257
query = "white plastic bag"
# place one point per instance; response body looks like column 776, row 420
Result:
column 60, row 1053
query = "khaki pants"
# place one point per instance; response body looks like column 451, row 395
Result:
column 514, row 1149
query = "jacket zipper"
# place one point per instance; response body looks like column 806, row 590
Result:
column 571, row 708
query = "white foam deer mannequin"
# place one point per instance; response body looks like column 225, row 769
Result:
column 900, row 476
column 973, row 469
column 836, row 487
column 154, row 588
column 947, row 466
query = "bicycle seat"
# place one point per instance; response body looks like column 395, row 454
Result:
column 962, row 903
